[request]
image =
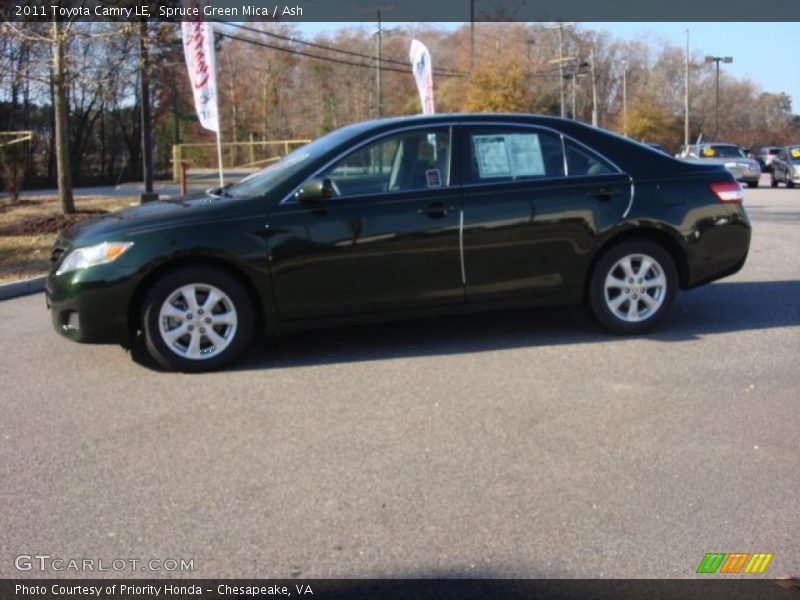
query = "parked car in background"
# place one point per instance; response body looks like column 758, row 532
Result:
column 730, row 156
column 765, row 156
column 786, row 167
column 404, row 218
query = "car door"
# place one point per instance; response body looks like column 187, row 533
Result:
column 780, row 164
column 387, row 240
column 534, row 204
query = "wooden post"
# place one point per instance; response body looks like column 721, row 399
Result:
column 176, row 163
column 184, row 167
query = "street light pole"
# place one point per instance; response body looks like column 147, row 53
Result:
column 717, row 59
column 686, row 94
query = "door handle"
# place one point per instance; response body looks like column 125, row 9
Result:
column 603, row 193
column 436, row 210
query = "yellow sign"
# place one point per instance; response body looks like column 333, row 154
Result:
column 795, row 152
column 708, row 152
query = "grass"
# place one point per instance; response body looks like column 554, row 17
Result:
column 28, row 229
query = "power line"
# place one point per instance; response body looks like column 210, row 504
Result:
column 297, row 52
column 443, row 72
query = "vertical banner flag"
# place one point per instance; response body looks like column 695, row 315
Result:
column 423, row 74
column 198, row 46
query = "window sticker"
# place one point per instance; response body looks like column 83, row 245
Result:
column 795, row 152
column 508, row 155
column 433, row 178
column 708, row 151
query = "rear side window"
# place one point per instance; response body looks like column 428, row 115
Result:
column 580, row 162
column 509, row 155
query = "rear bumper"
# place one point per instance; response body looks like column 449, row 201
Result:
column 719, row 247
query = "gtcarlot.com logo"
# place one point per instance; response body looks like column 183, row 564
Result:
column 732, row 563
column 45, row 562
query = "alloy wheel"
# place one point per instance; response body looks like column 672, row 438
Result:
column 635, row 288
column 198, row 321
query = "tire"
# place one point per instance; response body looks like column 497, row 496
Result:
column 629, row 308
column 752, row 184
column 789, row 182
column 772, row 181
column 197, row 319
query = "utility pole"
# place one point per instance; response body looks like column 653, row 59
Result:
column 717, row 59
column 625, row 98
column 561, row 66
column 471, row 35
column 594, row 90
column 574, row 92
column 144, row 92
column 378, row 59
column 686, row 94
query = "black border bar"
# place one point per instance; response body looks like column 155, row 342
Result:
column 402, row 589
column 365, row 11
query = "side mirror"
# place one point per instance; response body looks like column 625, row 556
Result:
column 314, row 191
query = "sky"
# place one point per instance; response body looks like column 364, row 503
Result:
column 762, row 52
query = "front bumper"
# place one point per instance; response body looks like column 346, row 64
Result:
column 91, row 305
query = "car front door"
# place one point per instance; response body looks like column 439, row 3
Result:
column 388, row 239
column 533, row 205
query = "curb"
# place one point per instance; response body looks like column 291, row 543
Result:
column 22, row 288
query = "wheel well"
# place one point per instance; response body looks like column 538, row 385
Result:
column 136, row 305
column 661, row 238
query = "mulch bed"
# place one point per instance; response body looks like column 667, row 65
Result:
column 52, row 223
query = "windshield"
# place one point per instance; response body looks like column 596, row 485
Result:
column 261, row 182
column 721, row 152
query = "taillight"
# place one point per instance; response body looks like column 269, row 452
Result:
column 727, row 191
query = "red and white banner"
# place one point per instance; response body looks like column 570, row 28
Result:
column 198, row 46
column 423, row 74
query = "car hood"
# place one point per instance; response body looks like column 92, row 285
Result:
column 152, row 215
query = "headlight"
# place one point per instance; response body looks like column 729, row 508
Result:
column 89, row 256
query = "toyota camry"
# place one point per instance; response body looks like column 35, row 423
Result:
column 404, row 218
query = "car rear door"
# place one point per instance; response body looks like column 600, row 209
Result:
column 534, row 204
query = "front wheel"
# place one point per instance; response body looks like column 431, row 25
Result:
column 632, row 287
column 197, row 319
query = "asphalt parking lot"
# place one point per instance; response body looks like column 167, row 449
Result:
column 526, row 444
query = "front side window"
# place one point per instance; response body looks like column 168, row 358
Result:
column 414, row 160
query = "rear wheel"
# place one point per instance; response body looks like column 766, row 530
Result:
column 752, row 184
column 197, row 319
column 632, row 287
column 772, row 181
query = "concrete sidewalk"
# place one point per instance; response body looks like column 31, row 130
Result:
column 23, row 287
